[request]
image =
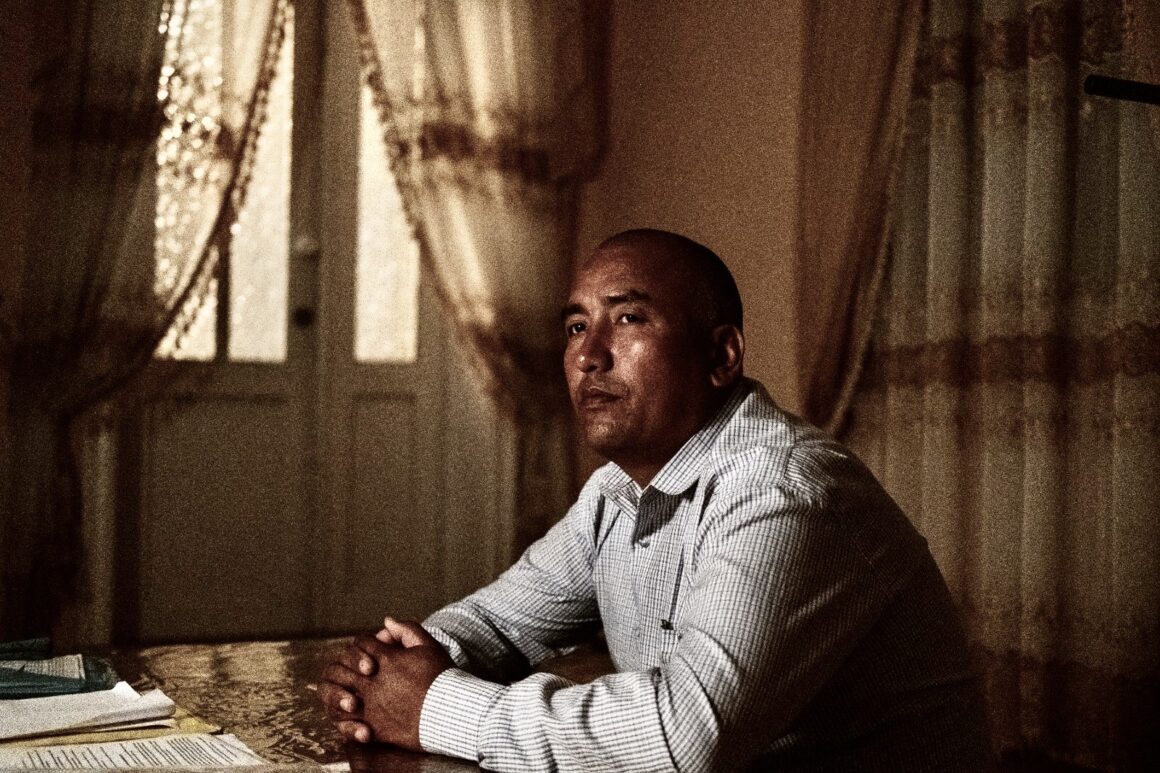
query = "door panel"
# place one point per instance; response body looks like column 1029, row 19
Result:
column 222, row 554
column 391, row 540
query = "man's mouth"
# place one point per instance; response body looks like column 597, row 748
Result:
column 595, row 397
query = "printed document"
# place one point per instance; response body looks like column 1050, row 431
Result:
column 200, row 750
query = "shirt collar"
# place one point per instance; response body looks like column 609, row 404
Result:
column 684, row 469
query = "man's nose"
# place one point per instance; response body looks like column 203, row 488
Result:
column 594, row 353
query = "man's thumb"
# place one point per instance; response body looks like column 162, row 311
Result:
column 407, row 634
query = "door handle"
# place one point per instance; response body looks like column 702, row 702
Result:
column 303, row 317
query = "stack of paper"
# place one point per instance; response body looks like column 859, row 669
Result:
column 117, row 709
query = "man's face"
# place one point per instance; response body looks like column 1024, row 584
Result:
column 638, row 370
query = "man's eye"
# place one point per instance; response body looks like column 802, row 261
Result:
column 628, row 316
column 574, row 328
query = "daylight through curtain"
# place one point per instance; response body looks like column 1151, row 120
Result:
column 1011, row 400
column 118, row 96
column 489, row 107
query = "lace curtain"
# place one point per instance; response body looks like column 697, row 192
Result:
column 490, row 109
column 117, row 254
column 1010, row 401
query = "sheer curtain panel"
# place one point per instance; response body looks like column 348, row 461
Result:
column 490, row 107
column 1010, row 400
column 140, row 153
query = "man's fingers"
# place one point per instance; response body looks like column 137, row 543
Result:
column 354, row 731
column 373, row 649
column 408, row 634
column 341, row 675
column 336, row 700
column 355, row 658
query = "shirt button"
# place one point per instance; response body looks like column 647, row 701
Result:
column 643, row 543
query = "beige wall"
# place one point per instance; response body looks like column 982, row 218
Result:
column 702, row 139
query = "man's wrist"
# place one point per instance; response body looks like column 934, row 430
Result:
column 453, row 711
column 454, row 649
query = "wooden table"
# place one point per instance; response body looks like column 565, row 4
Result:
column 259, row 692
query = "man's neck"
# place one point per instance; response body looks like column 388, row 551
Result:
column 644, row 471
column 644, row 475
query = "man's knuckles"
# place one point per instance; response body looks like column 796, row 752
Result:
column 353, row 658
column 334, row 697
column 368, row 648
column 341, row 675
column 354, row 731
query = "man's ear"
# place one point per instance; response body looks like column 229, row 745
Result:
column 728, row 355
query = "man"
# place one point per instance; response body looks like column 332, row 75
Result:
column 764, row 601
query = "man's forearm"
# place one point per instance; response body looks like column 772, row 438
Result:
column 543, row 602
column 545, row 722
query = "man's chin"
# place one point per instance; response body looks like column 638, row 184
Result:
column 605, row 440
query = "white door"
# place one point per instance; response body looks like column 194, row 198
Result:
column 327, row 461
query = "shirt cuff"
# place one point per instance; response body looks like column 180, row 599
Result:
column 449, row 722
column 450, row 644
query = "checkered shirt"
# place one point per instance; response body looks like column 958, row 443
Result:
column 765, row 605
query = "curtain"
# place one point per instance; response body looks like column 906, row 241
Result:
column 490, row 108
column 1142, row 41
column 117, row 253
column 1010, row 399
column 857, row 72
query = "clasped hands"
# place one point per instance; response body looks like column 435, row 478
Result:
column 373, row 688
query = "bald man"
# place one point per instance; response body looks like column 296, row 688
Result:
column 766, row 604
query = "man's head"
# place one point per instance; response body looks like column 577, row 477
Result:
column 654, row 346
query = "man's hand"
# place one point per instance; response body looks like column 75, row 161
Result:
column 374, row 688
column 342, row 705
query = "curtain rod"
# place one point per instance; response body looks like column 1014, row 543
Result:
column 1121, row 88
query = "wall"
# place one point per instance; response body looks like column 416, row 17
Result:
column 703, row 111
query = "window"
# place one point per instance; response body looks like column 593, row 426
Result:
column 241, row 315
column 387, row 272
